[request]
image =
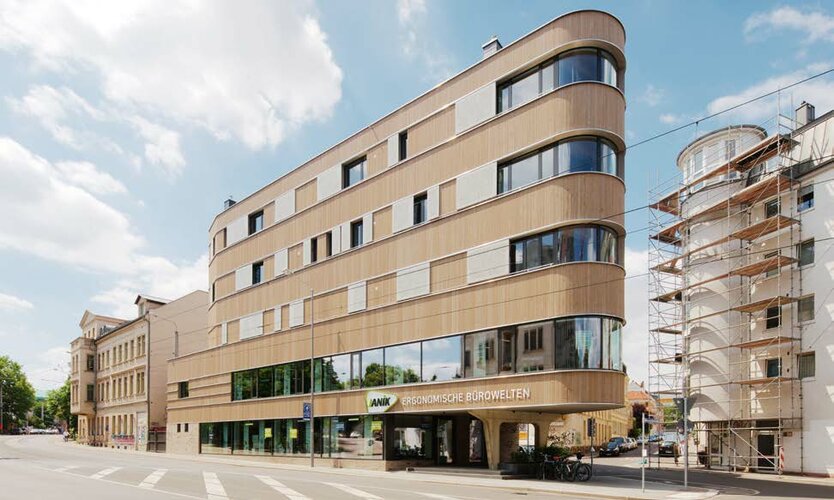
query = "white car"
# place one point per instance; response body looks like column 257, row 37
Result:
column 632, row 443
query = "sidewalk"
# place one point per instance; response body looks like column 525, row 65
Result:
column 790, row 478
column 598, row 487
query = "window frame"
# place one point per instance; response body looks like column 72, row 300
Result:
column 402, row 145
column 769, row 208
column 773, row 320
column 255, row 219
column 348, row 167
column 182, row 389
column 314, row 249
column 799, row 309
column 357, row 233
column 769, row 363
column 420, row 204
column 257, row 271
column 805, row 198
column 803, row 374
column 804, row 245
column 553, row 64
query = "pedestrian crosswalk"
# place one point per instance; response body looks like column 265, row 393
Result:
column 153, row 478
column 232, row 486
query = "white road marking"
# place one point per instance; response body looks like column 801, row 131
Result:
column 106, row 472
column 282, row 488
column 66, row 468
column 214, row 487
column 353, row 491
column 153, row 478
column 438, row 496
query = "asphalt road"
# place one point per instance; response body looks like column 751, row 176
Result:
column 44, row 468
column 731, row 485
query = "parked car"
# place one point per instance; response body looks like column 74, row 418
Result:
column 613, row 447
column 669, row 448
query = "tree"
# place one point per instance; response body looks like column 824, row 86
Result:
column 58, row 405
column 18, row 393
column 637, row 411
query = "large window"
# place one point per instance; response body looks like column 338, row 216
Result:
column 589, row 342
column 182, row 389
column 773, row 317
column 480, row 357
column 353, row 172
column 807, row 364
column 805, row 308
column 805, row 252
column 568, row 244
column 349, row 437
column 573, row 343
column 573, row 66
column 413, row 437
column 442, row 359
column 402, row 364
column 581, row 154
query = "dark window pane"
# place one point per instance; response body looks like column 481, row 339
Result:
column 608, row 158
column 533, row 254
column 547, row 248
column 353, row 172
column 256, row 222
column 578, row 156
column 517, row 256
column 578, row 66
column 265, row 382
column 356, row 234
column 421, row 206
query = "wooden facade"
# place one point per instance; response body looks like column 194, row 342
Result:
column 440, row 251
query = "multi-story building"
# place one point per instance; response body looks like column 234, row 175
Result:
column 451, row 268
column 119, row 394
column 742, row 303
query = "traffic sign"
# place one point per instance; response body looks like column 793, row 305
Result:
column 307, row 411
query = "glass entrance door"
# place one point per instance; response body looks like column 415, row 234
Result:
column 477, row 443
column 445, row 441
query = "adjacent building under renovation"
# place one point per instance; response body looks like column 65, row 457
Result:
column 741, row 283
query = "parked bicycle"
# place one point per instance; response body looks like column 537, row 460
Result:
column 562, row 468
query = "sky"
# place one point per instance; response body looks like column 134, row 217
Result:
column 124, row 125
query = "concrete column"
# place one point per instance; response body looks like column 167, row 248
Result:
column 492, row 436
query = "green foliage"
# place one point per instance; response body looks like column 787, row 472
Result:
column 18, row 393
column 58, row 404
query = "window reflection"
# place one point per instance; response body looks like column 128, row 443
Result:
column 402, row 364
column 568, row 244
column 480, row 358
column 442, row 359
column 584, row 154
column 569, row 67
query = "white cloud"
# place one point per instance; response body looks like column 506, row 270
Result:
column 417, row 43
column 85, row 175
column 55, row 107
column 670, row 118
column 72, row 120
column 46, row 216
column 816, row 25
column 162, row 146
column 12, row 303
column 819, row 92
column 652, row 96
column 160, row 278
column 636, row 331
column 249, row 71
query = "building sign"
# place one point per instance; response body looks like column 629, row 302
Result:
column 450, row 398
column 380, row 402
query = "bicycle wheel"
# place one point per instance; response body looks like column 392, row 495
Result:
column 583, row 472
column 570, row 473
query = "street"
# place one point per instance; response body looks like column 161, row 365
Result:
column 44, row 467
column 728, row 484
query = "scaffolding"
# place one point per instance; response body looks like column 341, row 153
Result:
column 716, row 304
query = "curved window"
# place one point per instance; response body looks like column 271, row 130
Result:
column 577, row 65
column 567, row 244
column 588, row 342
column 581, row 154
